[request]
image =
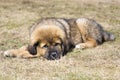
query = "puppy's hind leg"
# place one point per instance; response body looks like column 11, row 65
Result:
column 90, row 43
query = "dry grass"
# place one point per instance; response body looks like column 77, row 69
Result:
column 100, row 63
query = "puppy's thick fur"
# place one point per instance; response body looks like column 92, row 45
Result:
column 54, row 37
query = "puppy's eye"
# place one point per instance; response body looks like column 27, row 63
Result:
column 56, row 44
column 45, row 46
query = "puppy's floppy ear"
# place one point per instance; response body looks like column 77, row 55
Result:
column 64, row 49
column 67, row 46
column 33, row 48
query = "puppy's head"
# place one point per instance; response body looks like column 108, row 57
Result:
column 48, row 42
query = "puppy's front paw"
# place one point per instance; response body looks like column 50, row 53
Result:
column 9, row 53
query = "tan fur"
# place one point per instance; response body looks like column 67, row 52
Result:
column 46, row 31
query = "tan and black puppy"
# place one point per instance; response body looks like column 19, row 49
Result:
column 53, row 38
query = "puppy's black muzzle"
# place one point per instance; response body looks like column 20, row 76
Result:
column 54, row 55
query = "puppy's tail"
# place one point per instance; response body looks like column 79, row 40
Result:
column 108, row 36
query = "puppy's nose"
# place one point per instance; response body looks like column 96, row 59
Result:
column 53, row 55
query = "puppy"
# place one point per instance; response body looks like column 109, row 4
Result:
column 52, row 38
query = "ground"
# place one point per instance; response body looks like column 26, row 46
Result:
column 99, row 63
